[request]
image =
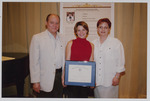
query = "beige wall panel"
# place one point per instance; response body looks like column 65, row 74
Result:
column 130, row 19
column 134, row 82
column 123, row 20
column 16, row 26
column 33, row 18
column 5, row 27
column 143, row 55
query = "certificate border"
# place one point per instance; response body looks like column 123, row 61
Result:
column 93, row 64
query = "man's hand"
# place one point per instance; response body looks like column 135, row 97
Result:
column 36, row 87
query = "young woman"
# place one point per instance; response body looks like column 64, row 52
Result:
column 79, row 49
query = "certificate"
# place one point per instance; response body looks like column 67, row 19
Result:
column 80, row 73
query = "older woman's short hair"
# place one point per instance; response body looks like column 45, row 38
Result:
column 81, row 23
column 104, row 20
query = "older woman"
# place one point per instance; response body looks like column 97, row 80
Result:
column 109, row 58
column 79, row 49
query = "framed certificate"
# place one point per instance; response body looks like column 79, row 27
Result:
column 80, row 73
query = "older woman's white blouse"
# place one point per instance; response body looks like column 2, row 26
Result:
column 109, row 58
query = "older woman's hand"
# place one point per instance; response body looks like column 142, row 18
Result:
column 116, row 80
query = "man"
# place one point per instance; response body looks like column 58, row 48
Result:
column 46, row 60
